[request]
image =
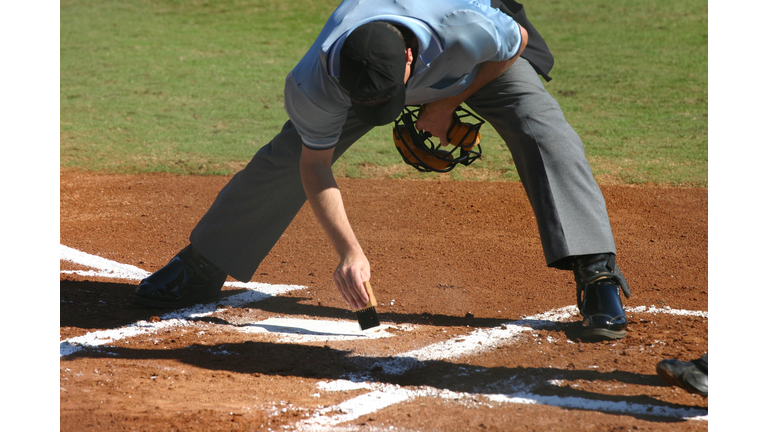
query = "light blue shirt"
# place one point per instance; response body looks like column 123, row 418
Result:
column 454, row 36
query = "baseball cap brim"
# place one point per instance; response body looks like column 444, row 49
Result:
column 381, row 115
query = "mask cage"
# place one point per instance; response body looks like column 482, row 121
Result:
column 466, row 150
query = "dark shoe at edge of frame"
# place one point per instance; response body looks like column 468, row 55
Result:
column 692, row 376
column 599, row 283
column 187, row 279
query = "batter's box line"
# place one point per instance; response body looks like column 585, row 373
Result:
column 180, row 318
column 384, row 395
column 482, row 340
column 451, row 348
column 388, row 394
column 109, row 269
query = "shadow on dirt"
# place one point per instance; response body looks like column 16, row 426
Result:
column 103, row 305
column 98, row 305
column 106, row 305
column 304, row 361
column 293, row 305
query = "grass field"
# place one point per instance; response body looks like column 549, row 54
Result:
column 195, row 87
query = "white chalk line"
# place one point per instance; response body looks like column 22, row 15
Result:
column 382, row 397
column 107, row 268
column 481, row 340
column 182, row 317
column 652, row 309
column 178, row 318
column 385, row 395
column 476, row 342
column 115, row 270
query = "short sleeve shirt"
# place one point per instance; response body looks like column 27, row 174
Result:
column 454, row 36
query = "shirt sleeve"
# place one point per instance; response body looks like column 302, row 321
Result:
column 316, row 105
column 492, row 34
column 508, row 36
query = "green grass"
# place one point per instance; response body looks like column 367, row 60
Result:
column 195, row 87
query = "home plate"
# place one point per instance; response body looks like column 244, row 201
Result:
column 306, row 330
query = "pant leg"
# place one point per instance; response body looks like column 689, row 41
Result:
column 254, row 209
column 549, row 155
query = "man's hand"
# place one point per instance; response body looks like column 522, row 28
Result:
column 436, row 117
column 324, row 196
column 349, row 277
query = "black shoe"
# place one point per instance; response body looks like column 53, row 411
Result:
column 598, row 284
column 187, row 279
column 692, row 376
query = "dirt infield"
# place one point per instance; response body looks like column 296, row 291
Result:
column 478, row 334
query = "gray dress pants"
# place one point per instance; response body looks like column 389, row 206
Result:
column 253, row 210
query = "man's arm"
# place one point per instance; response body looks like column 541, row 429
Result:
column 436, row 117
column 324, row 196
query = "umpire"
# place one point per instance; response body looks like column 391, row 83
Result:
column 371, row 59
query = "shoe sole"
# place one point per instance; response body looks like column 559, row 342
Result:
column 601, row 334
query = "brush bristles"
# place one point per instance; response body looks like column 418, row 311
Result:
column 367, row 318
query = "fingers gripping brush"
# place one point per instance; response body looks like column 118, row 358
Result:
column 367, row 316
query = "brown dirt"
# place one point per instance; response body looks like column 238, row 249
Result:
column 454, row 257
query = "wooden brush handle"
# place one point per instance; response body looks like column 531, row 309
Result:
column 371, row 297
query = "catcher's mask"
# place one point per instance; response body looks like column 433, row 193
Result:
column 418, row 150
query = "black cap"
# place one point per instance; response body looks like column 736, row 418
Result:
column 372, row 71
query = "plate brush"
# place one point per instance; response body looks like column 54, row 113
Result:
column 367, row 316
